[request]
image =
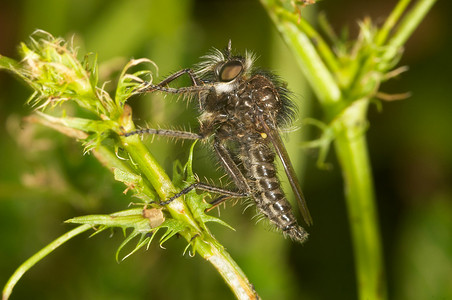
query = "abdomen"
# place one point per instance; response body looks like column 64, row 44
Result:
column 259, row 164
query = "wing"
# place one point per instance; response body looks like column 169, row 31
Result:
column 274, row 137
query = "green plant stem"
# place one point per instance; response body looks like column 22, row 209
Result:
column 408, row 24
column 38, row 256
column 348, row 119
column 351, row 150
column 350, row 144
column 391, row 21
column 299, row 39
column 228, row 269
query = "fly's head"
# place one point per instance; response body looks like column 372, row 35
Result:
column 224, row 71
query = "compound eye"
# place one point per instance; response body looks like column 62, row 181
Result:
column 230, row 70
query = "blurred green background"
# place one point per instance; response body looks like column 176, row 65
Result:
column 45, row 179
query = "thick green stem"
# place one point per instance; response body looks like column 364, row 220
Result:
column 352, row 153
column 348, row 119
column 228, row 269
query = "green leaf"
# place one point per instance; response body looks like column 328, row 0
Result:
column 143, row 240
column 140, row 220
column 8, row 63
column 173, row 227
column 198, row 206
column 129, row 83
column 136, row 183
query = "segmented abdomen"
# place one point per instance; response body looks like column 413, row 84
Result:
column 258, row 161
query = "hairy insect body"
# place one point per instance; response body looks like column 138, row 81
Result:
column 242, row 109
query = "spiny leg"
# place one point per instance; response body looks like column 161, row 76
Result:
column 167, row 132
column 182, row 90
column 227, row 162
column 219, row 200
column 161, row 86
column 234, row 171
column 197, row 86
column 205, row 187
column 194, row 79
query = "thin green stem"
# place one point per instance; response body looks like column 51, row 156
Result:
column 317, row 40
column 407, row 25
column 38, row 256
column 391, row 21
column 351, row 149
column 306, row 55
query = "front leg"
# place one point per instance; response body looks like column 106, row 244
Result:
column 208, row 188
column 187, row 135
column 194, row 79
column 197, row 84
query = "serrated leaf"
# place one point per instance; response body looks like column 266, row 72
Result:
column 178, row 175
column 127, row 240
column 9, row 64
column 81, row 124
column 208, row 218
column 131, row 218
column 198, row 206
column 173, row 227
column 182, row 175
column 188, row 168
column 142, row 221
column 92, row 68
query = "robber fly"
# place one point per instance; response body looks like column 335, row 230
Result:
column 241, row 111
